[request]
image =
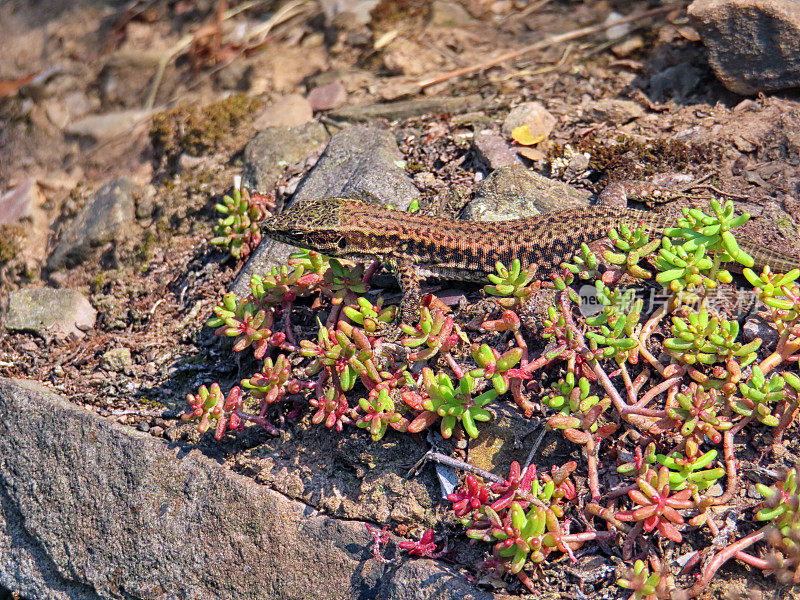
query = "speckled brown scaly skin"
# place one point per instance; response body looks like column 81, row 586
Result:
column 422, row 246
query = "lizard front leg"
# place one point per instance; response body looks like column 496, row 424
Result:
column 409, row 277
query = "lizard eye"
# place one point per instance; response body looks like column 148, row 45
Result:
column 341, row 243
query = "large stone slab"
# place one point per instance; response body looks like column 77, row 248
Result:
column 753, row 45
column 92, row 510
column 359, row 162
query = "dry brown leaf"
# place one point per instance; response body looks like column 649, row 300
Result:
column 533, row 154
column 10, row 86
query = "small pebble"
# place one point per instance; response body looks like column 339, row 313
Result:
column 756, row 327
column 172, row 434
column 533, row 114
column 327, row 97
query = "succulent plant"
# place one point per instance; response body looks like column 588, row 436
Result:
column 782, row 509
column 685, row 472
column 239, row 229
column 495, row 366
column 759, row 394
column 249, row 325
column 453, row 404
column 712, row 232
column 658, row 506
column 425, row 546
column 567, row 398
column 373, row 318
column 631, row 246
column 470, row 497
column 701, row 338
column 435, row 331
column 699, row 413
column 378, row 414
column 210, row 404
column 641, row 582
column 512, row 286
column 343, row 284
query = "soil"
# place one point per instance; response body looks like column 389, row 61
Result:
column 155, row 288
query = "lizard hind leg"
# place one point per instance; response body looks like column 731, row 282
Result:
column 663, row 188
column 617, row 194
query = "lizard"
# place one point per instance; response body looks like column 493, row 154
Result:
column 418, row 247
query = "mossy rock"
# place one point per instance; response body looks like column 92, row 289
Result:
column 198, row 129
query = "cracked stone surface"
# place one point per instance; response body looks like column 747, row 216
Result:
column 93, row 510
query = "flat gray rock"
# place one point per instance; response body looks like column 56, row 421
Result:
column 108, row 125
column 267, row 155
column 405, row 109
column 753, row 45
column 106, row 217
column 91, row 510
column 514, row 192
column 359, row 162
column 49, row 312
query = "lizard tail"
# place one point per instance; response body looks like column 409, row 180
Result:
column 778, row 261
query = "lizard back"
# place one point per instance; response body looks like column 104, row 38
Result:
column 466, row 250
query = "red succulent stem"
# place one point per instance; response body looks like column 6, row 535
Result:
column 522, row 344
column 588, row 536
column 527, row 581
column 730, row 468
column 719, row 559
column 656, row 390
column 258, row 420
column 753, row 561
column 543, row 361
column 458, row 371
column 291, row 343
column 593, row 508
column 594, row 476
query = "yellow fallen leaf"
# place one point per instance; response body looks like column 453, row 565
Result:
column 522, row 135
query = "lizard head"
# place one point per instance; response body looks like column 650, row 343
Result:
column 320, row 225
